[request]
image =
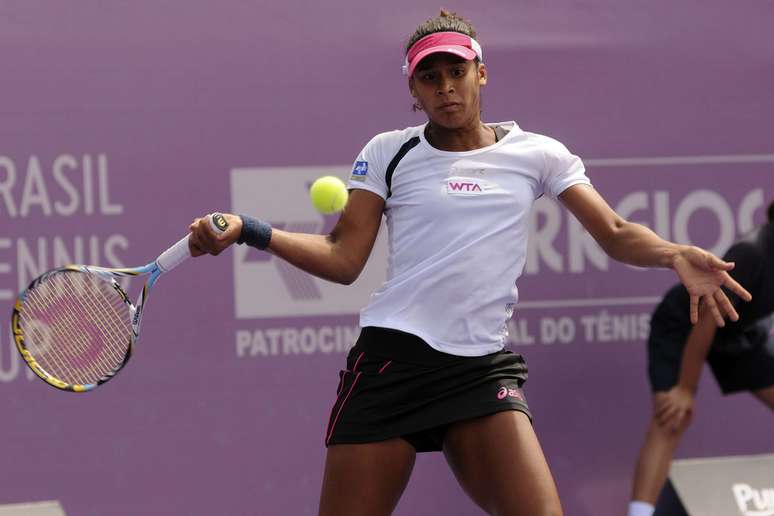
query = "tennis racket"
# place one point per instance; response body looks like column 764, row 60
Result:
column 75, row 326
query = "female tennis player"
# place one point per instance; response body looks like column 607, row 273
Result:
column 428, row 372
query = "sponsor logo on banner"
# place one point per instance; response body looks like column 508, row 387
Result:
column 266, row 286
column 317, row 316
column 752, row 501
column 603, row 301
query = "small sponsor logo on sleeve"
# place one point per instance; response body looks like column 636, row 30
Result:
column 360, row 171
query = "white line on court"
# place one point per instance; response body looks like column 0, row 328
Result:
column 681, row 160
column 606, row 301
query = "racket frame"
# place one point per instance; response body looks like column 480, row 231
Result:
column 166, row 261
column 109, row 275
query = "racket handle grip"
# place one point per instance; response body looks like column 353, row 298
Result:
column 174, row 256
column 181, row 251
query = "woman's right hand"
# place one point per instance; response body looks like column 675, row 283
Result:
column 204, row 240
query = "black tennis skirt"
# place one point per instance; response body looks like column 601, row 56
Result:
column 396, row 385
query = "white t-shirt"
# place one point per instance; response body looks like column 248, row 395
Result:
column 458, row 224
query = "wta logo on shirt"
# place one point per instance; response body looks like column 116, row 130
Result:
column 360, row 171
column 466, row 186
column 458, row 186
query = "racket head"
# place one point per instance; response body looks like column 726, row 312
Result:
column 73, row 327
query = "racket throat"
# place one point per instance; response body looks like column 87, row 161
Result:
column 135, row 314
column 135, row 311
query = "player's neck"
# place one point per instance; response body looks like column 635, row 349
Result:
column 472, row 136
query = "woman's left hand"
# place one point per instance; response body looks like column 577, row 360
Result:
column 703, row 274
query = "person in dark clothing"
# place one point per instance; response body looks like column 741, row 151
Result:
column 740, row 354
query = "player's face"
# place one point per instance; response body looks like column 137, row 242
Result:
column 448, row 87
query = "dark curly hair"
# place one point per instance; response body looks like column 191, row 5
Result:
column 771, row 212
column 447, row 21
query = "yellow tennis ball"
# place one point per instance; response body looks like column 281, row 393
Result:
column 328, row 194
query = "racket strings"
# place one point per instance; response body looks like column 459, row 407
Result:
column 59, row 352
column 48, row 356
column 109, row 309
column 40, row 339
column 76, row 327
column 80, row 341
column 104, row 316
column 74, row 363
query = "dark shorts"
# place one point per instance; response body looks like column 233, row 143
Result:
column 741, row 370
column 395, row 385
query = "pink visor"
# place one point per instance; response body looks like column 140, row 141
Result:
column 449, row 42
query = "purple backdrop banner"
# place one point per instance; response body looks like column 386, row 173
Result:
column 121, row 122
